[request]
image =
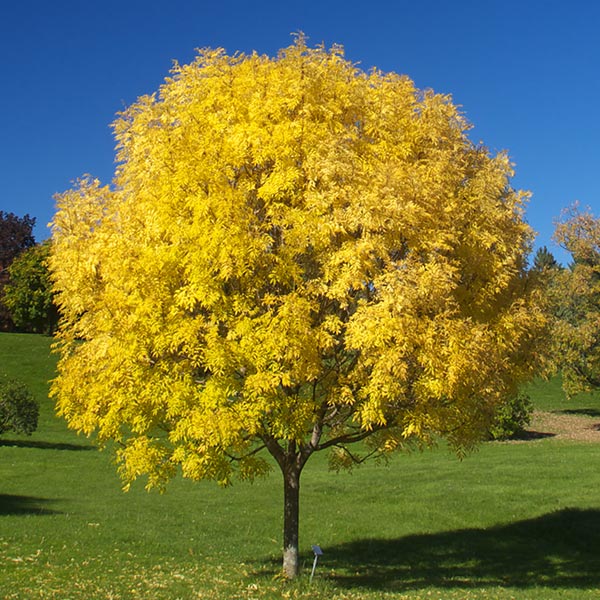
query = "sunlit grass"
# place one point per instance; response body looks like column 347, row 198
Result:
column 548, row 395
column 510, row 521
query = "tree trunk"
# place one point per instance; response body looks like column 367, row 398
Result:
column 291, row 514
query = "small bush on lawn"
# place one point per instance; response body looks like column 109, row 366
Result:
column 512, row 418
column 19, row 410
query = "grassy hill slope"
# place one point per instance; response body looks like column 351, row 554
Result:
column 513, row 520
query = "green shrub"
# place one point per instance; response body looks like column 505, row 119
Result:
column 512, row 417
column 19, row 410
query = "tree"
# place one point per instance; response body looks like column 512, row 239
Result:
column 544, row 260
column 575, row 299
column 16, row 235
column 28, row 293
column 295, row 256
column 18, row 409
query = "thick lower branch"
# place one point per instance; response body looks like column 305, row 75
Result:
column 275, row 450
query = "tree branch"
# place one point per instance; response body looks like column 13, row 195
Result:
column 274, row 449
column 355, row 459
column 233, row 458
column 349, row 438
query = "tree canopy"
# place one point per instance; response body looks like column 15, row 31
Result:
column 544, row 260
column 294, row 256
column 575, row 298
column 28, row 293
column 16, row 235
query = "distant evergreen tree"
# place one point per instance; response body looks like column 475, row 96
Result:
column 544, row 259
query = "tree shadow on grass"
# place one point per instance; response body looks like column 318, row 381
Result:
column 530, row 436
column 585, row 412
column 25, row 505
column 557, row 550
column 45, row 445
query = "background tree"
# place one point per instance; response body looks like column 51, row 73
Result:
column 16, row 235
column 295, row 256
column 575, row 298
column 544, row 260
column 28, row 293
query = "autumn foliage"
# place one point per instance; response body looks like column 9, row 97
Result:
column 575, row 300
column 294, row 255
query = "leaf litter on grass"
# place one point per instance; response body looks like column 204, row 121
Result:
column 563, row 425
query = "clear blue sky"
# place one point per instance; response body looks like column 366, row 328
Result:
column 526, row 73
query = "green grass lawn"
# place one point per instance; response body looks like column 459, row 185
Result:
column 513, row 520
column 548, row 395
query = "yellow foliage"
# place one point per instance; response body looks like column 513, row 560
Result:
column 574, row 295
column 295, row 253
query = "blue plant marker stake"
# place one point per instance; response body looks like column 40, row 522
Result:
column 317, row 552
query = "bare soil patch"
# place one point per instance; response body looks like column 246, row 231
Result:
column 563, row 425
